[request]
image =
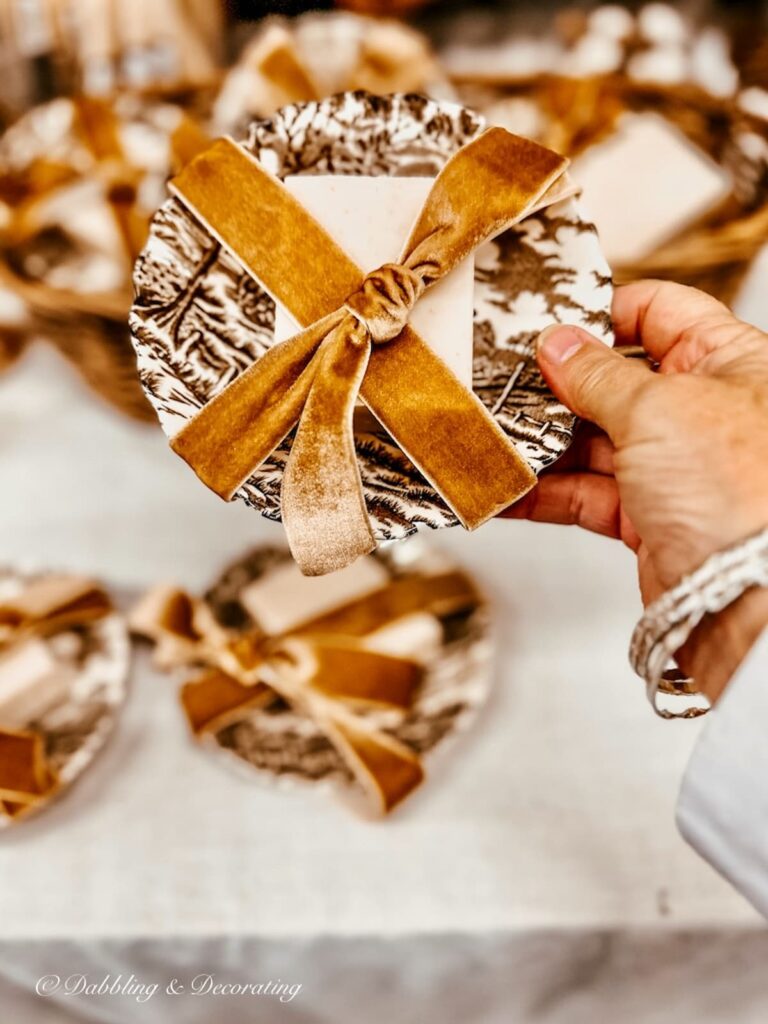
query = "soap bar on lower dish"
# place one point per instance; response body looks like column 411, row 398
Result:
column 418, row 636
column 371, row 218
column 283, row 598
column 31, row 683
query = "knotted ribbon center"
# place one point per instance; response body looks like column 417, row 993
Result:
column 323, row 668
column 385, row 300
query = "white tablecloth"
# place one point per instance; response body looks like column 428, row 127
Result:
column 539, row 870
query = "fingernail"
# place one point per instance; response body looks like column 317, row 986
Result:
column 558, row 343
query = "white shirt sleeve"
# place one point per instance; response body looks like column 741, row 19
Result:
column 722, row 809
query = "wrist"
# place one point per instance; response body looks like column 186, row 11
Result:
column 719, row 644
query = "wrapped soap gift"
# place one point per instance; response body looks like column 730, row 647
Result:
column 237, row 255
column 319, row 54
column 64, row 659
column 356, row 678
column 644, row 104
column 79, row 180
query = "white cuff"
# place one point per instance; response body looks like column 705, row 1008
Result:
column 722, row 809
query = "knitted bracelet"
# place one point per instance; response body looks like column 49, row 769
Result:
column 670, row 620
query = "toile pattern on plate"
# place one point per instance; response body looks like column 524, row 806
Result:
column 199, row 319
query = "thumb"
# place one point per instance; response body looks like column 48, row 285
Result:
column 595, row 382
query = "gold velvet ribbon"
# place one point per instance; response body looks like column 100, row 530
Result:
column 46, row 606
column 323, row 669
column 357, row 338
column 25, row 777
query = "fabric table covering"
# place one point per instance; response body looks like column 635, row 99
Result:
column 537, row 876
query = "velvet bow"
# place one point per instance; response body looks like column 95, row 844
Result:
column 324, row 669
column 357, row 339
column 46, row 606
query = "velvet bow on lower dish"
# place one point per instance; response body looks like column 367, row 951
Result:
column 357, row 339
column 323, row 669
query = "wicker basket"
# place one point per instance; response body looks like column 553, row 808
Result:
column 574, row 113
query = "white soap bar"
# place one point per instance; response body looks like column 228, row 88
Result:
column 646, row 183
column 283, row 599
column 417, row 636
column 31, row 683
column 371, row 218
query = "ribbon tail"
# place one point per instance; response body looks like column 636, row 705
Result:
column 386, row 769
column 322, row 501
column 238, row 429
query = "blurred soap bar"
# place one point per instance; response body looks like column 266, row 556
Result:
column 418, row 636
column 31, row 683
column 283, row 599
column 646, row 183
column 371, row 218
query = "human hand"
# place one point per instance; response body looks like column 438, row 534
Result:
column 674, row 463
